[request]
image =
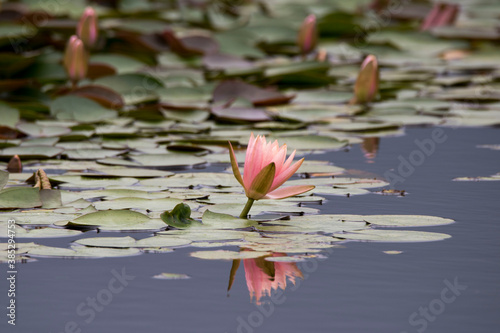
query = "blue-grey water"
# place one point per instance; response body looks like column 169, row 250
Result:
column 446, row 286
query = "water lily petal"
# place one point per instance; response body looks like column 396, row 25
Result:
column 234, row 165
column 289, row 191
column 285, row 174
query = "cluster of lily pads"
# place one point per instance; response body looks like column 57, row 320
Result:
column 188, row 209
column 170, row 82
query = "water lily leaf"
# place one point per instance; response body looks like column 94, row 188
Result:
column 240, row 114
column 138, row 203
column 304, row 72
column 392, row 252
column 379, row 235
column 128, row 242
column 112, row 242
column 4, row 178
column 228, row 255
column 185, row 97
column 134, row 87
column 129, row 172
column 259, row 208
column 80, row 252
column 179, row 217
column 20, row 197
column 109, row 194
column 478, row 179
column 121, row 63
column 285, row 259
column 209, row 235
column 91, row 154
column 38, row 233
column 232, row 89
column 171, row 276
column 168, row 160
column 50, row 198
column 31, row 151
column 190, row 45
column 315, row 113
column 187, row 116
column 77, row 181
column 225, row 221
column 194, row 179
column 406, row 220
column 313, row 142
column 10, row 115
column 317, row 223
column 82, row 110
column 162, row 241
column 100, row 94
column 39, row 218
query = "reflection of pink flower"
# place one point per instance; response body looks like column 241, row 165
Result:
column 87, row 28
column 260, row 279
column 75, row 59
column 266, row 169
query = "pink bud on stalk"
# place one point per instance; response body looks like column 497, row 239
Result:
column 265, row 170
column 75, row 59
column 87, row 29
column 366, row 87
column 308, row 35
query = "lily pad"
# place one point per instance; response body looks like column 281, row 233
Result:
column 228, row 255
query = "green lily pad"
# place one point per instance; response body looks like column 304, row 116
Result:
column 20, row 197
column 406, row 220
column 20, row 232
column 379, row 235
column 228, row 255
column 179, row 217
column 125, row 219
column 80, row 252
column 171, row 276
column 31, row 151
column 80, row 109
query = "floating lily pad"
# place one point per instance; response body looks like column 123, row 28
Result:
column 379, row 235
column 20, row 197
column 171, row 276
column 20, row 232
column 125, row 219
column 80, row 109
column 228, row 255
column 80, row 252
column 406, row 220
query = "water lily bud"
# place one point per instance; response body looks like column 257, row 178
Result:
column 75, row 59
column 308, row 35
column 366, row 87
column 87, row 29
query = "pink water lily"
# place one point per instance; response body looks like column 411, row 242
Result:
column 266, row 168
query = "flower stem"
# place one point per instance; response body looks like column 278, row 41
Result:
column 245, row 210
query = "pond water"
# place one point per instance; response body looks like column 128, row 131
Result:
column 445, row 286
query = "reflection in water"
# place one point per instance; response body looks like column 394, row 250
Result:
column 370, row 148
column 264, row 276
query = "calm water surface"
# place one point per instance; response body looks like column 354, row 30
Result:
column 356, row 289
